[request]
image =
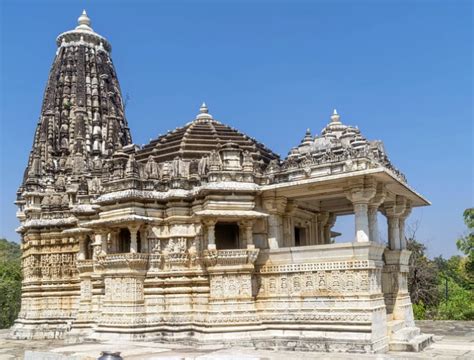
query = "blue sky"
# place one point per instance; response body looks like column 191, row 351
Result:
column 400, row 70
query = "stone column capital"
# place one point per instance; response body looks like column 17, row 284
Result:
column 323, row 217
column 407, row 211
column 361, row 191
column 331, row 220
column 247, row 223
column 395, row 208
column 210, row 222
column 291, row 208
column 274, row 204
column 379, row 197
column 133, row 228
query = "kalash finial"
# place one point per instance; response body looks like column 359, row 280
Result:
column 84, row 23
column 203, row 109
column 203, row 113
column 335, row 116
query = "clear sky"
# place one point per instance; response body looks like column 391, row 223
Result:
column 400, row 70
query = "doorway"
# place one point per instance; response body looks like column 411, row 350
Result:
column 227, row 236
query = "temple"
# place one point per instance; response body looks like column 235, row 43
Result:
column 205, row 235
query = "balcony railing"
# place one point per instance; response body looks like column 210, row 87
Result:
column 230, row 257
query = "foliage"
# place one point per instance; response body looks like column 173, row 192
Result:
column 10, row 282
column 422, row 277
column 419, row 311
column 459, row 304
column 466, row 244
column 442, row 289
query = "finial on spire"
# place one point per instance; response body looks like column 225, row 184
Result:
column 84, row 22
column 335, row 116
column 203, row 109
column 203, row 113
column 308, row 138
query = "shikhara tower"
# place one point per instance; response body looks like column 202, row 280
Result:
column 204, row 234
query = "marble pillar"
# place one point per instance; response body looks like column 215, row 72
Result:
column 81, row 255
column 133, row 238
column 393, row 209
column 360, row 192
column 211, row 234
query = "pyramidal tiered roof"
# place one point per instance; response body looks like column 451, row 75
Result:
column 337, row 143
column 82, row 118
column 201, row 136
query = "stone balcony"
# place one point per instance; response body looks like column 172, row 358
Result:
column 125, row 262
column 230, row 257
column 85, row 266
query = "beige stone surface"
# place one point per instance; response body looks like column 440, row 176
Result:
column 454, row 340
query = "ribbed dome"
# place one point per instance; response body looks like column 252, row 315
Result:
column 199, row 137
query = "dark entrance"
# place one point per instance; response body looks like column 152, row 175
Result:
column 88, row 254
column 124, row 241
column 227, row 236
column 300, row 236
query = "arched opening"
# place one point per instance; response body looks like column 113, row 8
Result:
column 227, row 236
column 124, row 241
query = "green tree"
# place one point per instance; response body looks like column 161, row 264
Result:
column 10, row 282
column 466, row 244
column 422, row 277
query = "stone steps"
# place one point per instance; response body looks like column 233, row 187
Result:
column 394, row 326
column 405, row 334
column 417, row 344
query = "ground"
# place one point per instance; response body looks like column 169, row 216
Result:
column 453, row 340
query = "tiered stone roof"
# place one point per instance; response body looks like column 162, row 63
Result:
column 337, row 144
column 200, row 137
column 82, row 118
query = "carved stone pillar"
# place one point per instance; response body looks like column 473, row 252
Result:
column 323, row 218
column 360, row 192
column 393, row 210
column 144, row 239
column 327, row 228
column 373, row 209
column 247, row 230
column 114, row 241
column 211, row 233
column 275, row 205
column 133, row 238
column 315, row 230
column 401, row 226
column 81, row 255
column 288, row 224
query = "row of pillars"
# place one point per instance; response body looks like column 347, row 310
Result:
column 367, row 198
column 281, row 224
column 110, row 239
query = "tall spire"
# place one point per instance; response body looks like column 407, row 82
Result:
column 82, row 114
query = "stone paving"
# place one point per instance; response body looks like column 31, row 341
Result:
column 453, row 340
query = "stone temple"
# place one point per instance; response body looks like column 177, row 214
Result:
column 204, row 235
